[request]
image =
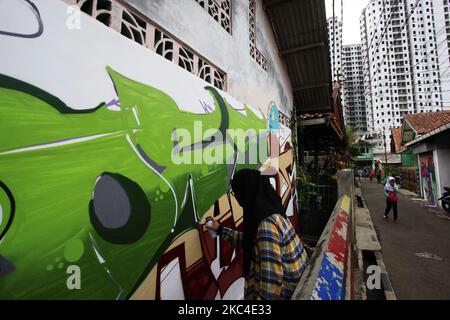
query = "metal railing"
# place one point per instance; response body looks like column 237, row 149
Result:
column 316, row 196
column 328, row 274
column 316, row 203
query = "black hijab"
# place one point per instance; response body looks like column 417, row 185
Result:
column 259, row 200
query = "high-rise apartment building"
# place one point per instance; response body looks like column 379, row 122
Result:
column 334, row 27
column 404, row 64
column 442, row 22
column 353, row 87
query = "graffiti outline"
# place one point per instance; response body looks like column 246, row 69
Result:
column 37, row 15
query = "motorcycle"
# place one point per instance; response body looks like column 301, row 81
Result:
column 445, row 199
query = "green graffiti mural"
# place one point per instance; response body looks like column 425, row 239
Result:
column 97, row 187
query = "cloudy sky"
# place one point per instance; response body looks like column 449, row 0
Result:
column 352, row 13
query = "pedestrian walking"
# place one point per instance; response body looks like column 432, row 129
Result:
column 391, row 193
column 372, row 174
column 379, row 175
column 274, row 257
column 360, row 173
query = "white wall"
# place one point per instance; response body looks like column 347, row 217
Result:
column 247, row 81
column 443, row 160
column 443, row 49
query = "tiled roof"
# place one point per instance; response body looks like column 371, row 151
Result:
column 397, row 139
column 428, row 121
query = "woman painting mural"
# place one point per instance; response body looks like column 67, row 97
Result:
column 274, row 257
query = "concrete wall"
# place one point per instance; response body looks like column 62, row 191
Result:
column 443, row 160
column 247, row 81
column 328, row 275
column 438, row 149
column 90, row 122
column 408, row 159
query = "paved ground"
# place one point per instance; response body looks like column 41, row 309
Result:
column 420, row 231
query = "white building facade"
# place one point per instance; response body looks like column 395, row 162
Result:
column 442, row 23
column 334, row 27
column 405, row 62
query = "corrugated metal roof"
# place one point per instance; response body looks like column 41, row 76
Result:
column 301, row 34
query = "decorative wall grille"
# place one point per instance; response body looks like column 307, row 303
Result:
column 137, row 27
column 254, row 52
column 220, row 10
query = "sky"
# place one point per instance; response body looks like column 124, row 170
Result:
column 352, row 13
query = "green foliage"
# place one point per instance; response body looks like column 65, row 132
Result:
column 350, row 150
column 392, row 170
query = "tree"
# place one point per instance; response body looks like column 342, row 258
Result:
column 350, row 150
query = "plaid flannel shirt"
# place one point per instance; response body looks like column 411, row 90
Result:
column 278, row 261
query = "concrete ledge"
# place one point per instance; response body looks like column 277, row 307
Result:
column 361, row 290
column 326, row 275
column 345, row 182
column 388, row 290
column 366, row 236
column 367, row 240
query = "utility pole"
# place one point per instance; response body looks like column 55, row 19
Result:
column 385, row 154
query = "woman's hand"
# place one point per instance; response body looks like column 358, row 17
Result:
column 213, row 225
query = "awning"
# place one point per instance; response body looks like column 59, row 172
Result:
column 300, row 30
column 301, row 34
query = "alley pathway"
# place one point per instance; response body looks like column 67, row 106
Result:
column 416, row 251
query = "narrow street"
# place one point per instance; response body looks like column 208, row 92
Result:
column 416, row 251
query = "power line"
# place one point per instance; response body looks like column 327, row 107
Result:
column 420, row 62
column 404, row 25
column 373, row 37
column 334, row 41
column 413, row 80
column 380, row 41
column 442, row 30
column 388, row 22
column 375, row 32
column 342, row 34
column 429, row 99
